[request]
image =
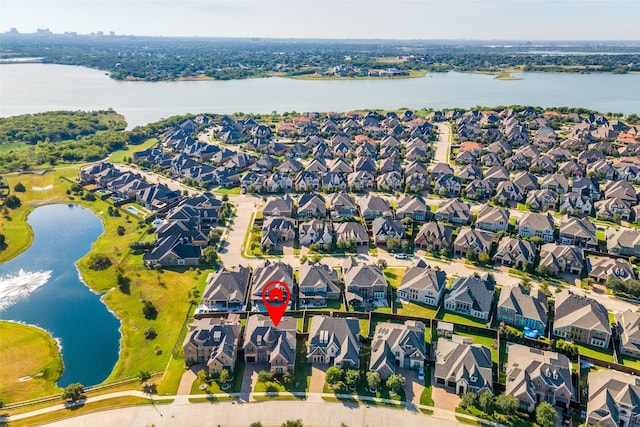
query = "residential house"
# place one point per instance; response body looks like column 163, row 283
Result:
column 214, row 343
column 278, row 206
column 395, row 345
column 374, row 206
column 225, row 290
column 581, row 319
column 360, row 180
column 628, row 329
column 413, row 207
column 537, row 225
column 423, row 284
column 520, row 307
column 342, row 205
column 317, row 284
column 506, row 191
column 312, row 205
column 613, row 209
column 614, row 399
column 364, row 283
column 276, row 229
column 334, row 341
column 384, row 229
column 434, row 236
column 575, row 204
column 448, row 185
column 542, row 200
column 173, row 250
column 602, row 268
column 586, row 186
column 157, row 196
column 346, row 231
column 266, row 343
column 479, row 189
column 454, row 211
column 492, row 218
column 471, row 296
column 556, row 182
column 496, row 175
column 266, row 273
column 557, row 259
column 315, row 231
column 462, row 366
column 306, row 181
column 535, row 376
column 625, row 241
column 515, row 252
column 440, row 169
column 578, row 232
column 471, row 239
column 526, row 181
column 621, row 189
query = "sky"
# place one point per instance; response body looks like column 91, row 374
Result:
column 389, row 19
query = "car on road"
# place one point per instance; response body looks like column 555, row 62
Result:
column 401, row 256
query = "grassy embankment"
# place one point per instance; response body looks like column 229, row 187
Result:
column 30, row 354
column 168, row 290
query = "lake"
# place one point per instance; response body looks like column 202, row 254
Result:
column 32, row 88
column 42, row 287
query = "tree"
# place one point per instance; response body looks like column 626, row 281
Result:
column 150, row 333
column 2, row 240
column 468, row 400
column 19, row 188
column 373, row 380
column 256, row 424
column 486, row 402
column 264, row 376
column 202, row 375
column 395, row 381
column 471, row 255
column 90, row 197
column 483, row 258
column 333, row 375
column 120, row 230
column 148, row 310
column 12, row 202
column 393, row 244
column 144, row 376
column 287, row 377
column 73, row 392
column 506, row 404
column 352, row 376
column 225, row 376
column 546, row 415
column 293, row 423
column 209, row 255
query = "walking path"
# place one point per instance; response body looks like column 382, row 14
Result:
column 312, row 408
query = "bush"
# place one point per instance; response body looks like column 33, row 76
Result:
column 546, row 415
column 124, row 283
column 264, row 376
column 486, row 402
column 19, row 188
column 395, row 381
column 90, row 197
column 468, row 400
column 150, row 333
column 333, row 375
column 120, row 230
column 373, row 379
column 293, row 423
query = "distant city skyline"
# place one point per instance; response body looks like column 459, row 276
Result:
column 356, row 19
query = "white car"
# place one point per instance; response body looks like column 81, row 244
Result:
column 401, row 256
column 421, row 374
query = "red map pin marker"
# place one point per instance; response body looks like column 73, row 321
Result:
column 276, row 296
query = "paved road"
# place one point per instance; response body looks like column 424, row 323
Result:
column 312, row 412
column 442, row 144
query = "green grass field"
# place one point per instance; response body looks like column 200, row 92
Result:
column 27, row 351
column 121, row 156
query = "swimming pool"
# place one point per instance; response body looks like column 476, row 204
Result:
column 133, row 210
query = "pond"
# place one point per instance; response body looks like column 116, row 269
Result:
column 42, row 287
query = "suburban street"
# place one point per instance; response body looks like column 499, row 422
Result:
column 314, row 412
column 442, row 144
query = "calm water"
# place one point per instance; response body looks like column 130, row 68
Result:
column 30, row 88
column 42, row 287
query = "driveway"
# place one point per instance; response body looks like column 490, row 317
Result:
column 442, row 144
column 316, row 385
column 443, row 399
column 188, row 378
column 250, row 376
column 413, row 387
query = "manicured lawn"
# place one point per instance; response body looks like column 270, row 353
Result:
column 595, row 352
column 235, row 191
column 332, row 305
column 425, row 397
column 394, row 276
column 172, row 377
column 122, row 155
column 634, row 363
column 27, row 351
column 415, row 309
column 364, row 327
column 486, row 341
column 215, row 387
column 458, row 318
column 301, row 375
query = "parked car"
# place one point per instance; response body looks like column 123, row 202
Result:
column 401, row 256
column 421, row 374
